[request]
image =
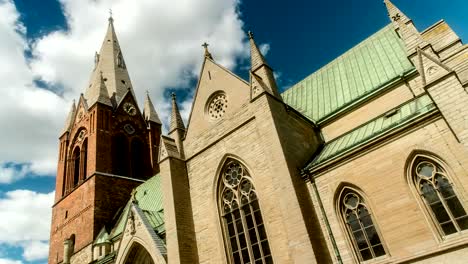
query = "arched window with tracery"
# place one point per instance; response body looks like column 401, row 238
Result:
column 360, row 226
column 244, row 229
column 434, row 187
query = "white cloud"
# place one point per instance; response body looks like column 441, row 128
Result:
column 35, row 250
column 264, row 48
column 9, row 261
column 161, row 45
column 25, row 221
column 30, row 116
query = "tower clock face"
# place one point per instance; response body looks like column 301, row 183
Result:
column 129, row 109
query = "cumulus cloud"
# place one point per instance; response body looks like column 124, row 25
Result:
column 35, row 250
column 161, row 45
column 30, row 116
column 25, row 221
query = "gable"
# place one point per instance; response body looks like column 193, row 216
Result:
column 361, row 71
column 219, row 94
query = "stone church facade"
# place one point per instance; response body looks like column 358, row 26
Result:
column 363, row 161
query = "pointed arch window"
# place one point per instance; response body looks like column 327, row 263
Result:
column 360, row 226
column 437, row 192
column 76, row 166
column 246, row 239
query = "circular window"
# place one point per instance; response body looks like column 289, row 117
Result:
column 217, row 105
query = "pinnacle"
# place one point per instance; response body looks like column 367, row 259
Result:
column 255, row 53
column 149, row 112
column 70, row 117
column 176, row 119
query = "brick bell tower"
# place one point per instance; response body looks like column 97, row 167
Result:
column 107, row 148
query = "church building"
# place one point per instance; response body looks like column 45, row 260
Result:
column 363, row 161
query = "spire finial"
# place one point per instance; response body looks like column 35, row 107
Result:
column 173, row 95
column 207, row 53
column 111, row 19
column 250, row 34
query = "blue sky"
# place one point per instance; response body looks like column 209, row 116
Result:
column 53, row 44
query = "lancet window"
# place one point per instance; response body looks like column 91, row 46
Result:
column 361, row 226
column 246, row 238
column 437, row 192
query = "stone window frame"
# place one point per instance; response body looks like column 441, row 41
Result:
column 343, row 191
column 222, row 186
column 412, row 163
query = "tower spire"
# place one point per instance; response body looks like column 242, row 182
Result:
column 110, row 63
column 261, row 74
column 149, row 112
column 176, row 119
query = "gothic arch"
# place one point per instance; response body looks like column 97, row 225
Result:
column 438, row 195
column 244, row 231
column 355, row 215
column 138, row 255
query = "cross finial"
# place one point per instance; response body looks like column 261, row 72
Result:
column 111, row 19
column 147, row 92
column 250, row 34
column 173, row 96
column 207, row 53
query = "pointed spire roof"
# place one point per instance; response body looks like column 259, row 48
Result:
column 207, row 53
column 109, row 63
column 149, row 112
column 396, row 16
column 176, row 119
column 255, row 54
column 70, row 117
column 101, row 94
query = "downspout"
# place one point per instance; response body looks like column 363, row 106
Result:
column 325, row 219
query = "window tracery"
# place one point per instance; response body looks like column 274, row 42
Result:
column 438, row 194
column 217, row 106
column 245, row 232
column 361, row 227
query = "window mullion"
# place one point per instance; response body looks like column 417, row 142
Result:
column 237, row 239
column 257, row 233
column 364, row 232
column 447, row 209
column 246, row 234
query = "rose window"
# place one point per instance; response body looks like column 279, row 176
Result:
column 217, row 106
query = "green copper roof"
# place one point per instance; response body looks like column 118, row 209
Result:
column 393, row 119
column 361, row 71
column 150, row 200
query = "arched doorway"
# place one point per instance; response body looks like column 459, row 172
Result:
column 138, row 255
